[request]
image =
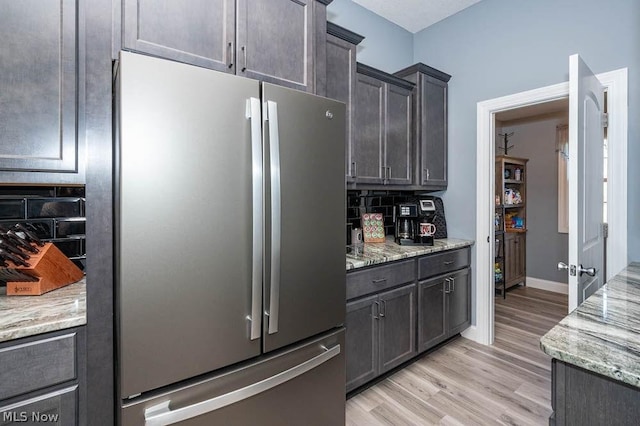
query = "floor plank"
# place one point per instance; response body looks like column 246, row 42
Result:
column 465, row 383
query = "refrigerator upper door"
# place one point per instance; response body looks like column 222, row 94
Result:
column 304, row 168
column 186, row 215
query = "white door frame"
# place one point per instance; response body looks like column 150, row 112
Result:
column 615, row 83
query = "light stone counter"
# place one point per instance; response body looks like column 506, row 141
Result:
column 367, row 254
column 603, row 334
column 22, row 316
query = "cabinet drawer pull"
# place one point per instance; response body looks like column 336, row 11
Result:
column 379, row 280
column 449, row 262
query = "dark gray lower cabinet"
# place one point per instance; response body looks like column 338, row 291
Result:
column 391, row 318
column 444, row 307
column 582, row 398
column 431, row 313
column 362, row 341
column 380, row 334
column 42, row 379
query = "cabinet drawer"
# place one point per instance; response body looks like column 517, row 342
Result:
column 37, row 364
column 379, row 278
column 441, row 263
column 59, row 408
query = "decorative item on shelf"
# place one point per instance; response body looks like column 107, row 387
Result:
column 498, row 272
column 517, row 173
column 497, row 200
column 373, row 227
column 507, row 173
column 512, row 196
column 497, row 222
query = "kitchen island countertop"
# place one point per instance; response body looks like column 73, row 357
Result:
column 368, row 254
column 603, row 334
column 22, row 316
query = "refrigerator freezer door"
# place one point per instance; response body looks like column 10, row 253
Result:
column 304, row 385
column 185, row 219
column 304, row 167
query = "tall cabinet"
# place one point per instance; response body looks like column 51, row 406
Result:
column 510, row 222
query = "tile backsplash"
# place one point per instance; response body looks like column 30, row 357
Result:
column 359, row 202
column 57, row 213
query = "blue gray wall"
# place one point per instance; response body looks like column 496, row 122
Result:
column 500, row 47
column 386, row 46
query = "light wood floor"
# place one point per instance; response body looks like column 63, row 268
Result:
column 465, row 383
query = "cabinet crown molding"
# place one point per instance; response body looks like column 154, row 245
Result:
column 383, row 76
column 424, row 69
column 343, row 33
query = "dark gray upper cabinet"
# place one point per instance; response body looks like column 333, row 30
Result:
column 39, row 77
column 269, row 40
column 430, row 124
column 382, row 136
column 199, row 32
column 341, row 78
column 367, row 148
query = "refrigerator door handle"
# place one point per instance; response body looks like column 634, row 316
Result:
column 253, row 114
column 274, row 156
column 161, row 414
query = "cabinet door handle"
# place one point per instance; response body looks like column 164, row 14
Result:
column 354, row 169
column 244, row 53
column 447, row 285
column 389, row 176
column 383, row 312
column 376, row 314
column 230, row 55
column 426, row 175
column 453, row 284
column 378, row 281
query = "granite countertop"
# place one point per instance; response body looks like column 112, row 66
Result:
column 368, row 254
column 22, row 316
column 603, row 334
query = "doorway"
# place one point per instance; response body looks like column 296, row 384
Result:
column 615, row 83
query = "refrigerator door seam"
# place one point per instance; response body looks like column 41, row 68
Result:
column 161, row 414
column 276, row 229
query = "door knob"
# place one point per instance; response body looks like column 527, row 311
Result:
column 562, row 266
column 589, row 271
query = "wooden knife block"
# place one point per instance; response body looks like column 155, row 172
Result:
column 52, row 268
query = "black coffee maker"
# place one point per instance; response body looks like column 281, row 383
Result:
column 405, row 216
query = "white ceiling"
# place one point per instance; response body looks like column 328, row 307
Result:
column 530, row 111
column 415, row 15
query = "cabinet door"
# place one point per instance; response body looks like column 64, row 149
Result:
column 431, row 313
column 397, row 326
column 198, row 32
column 459, row 302
column 39, row 83
column 275, row 41
column 515, row 257
column 340, row 85
column 398, row 136
column 368, row 133
column 433, row 132
column 58, row 407
column 362, row 341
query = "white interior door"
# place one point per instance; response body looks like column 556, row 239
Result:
column 586, row 137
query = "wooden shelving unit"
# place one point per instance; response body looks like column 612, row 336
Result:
column 511, row 222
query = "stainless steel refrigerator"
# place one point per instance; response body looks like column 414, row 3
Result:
column 230, row 205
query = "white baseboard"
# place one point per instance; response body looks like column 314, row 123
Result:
column 554, row 286
column 472, row 333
